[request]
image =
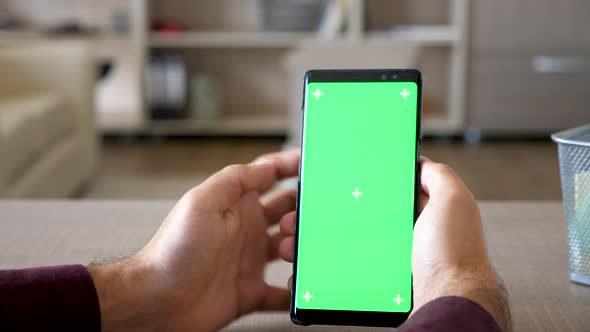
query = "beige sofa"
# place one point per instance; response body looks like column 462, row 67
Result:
column 48, row 143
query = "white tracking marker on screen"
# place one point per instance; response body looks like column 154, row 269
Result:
column 398, row 299
column 405, row 93
column 356, row 193
column 317, row 94
column 307, row 296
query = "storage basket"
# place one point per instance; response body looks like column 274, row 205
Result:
column 574, row 165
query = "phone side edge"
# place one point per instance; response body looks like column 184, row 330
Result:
column 293, row 309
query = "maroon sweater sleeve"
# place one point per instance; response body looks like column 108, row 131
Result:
column 60, row 298
column 64, row 298
column 451, row 313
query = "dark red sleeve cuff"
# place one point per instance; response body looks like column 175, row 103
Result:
column 451, row 313
column 60, row 298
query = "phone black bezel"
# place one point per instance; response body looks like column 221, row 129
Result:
column 345, row 317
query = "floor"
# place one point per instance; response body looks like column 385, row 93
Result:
column 498, row 170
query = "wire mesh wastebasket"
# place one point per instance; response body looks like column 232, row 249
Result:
column 574, row 167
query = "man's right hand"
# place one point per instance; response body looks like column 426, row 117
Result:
column 449, row 254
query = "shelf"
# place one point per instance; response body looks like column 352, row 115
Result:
column 424, row 34
column 19, row 34
column 263, row 39
column 227, row 126
column 35, row 35
column 440, row 126
column 264, row 126
column 119, row 120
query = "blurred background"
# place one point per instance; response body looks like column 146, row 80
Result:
column 132, row 99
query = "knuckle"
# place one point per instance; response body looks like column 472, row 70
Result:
column 231, row 175
column 233, row 169
column 460, row 196
column 191, row 194
column 456, row 194
column 265, row 156
column 292, row 194
column 444, row 169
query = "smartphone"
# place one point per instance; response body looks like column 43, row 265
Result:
column 358, row 197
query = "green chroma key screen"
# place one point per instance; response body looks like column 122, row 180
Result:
column 357, row 196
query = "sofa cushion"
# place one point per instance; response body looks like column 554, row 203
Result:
column 29, row 124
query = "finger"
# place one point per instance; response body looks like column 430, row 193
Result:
column 224, row 188
column 438, row 180
column 287, row 223
column 277, row 205
column 286, row 248
column 423, row 195
column 276, row 299
column 273, row 248
column 424, row 159
column 290, row 283
column 423, row 201
column 287, row 162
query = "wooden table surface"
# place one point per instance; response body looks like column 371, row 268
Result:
column 527, row 243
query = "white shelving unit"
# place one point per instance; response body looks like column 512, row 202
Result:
column 452, row 36
column 216, row 41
